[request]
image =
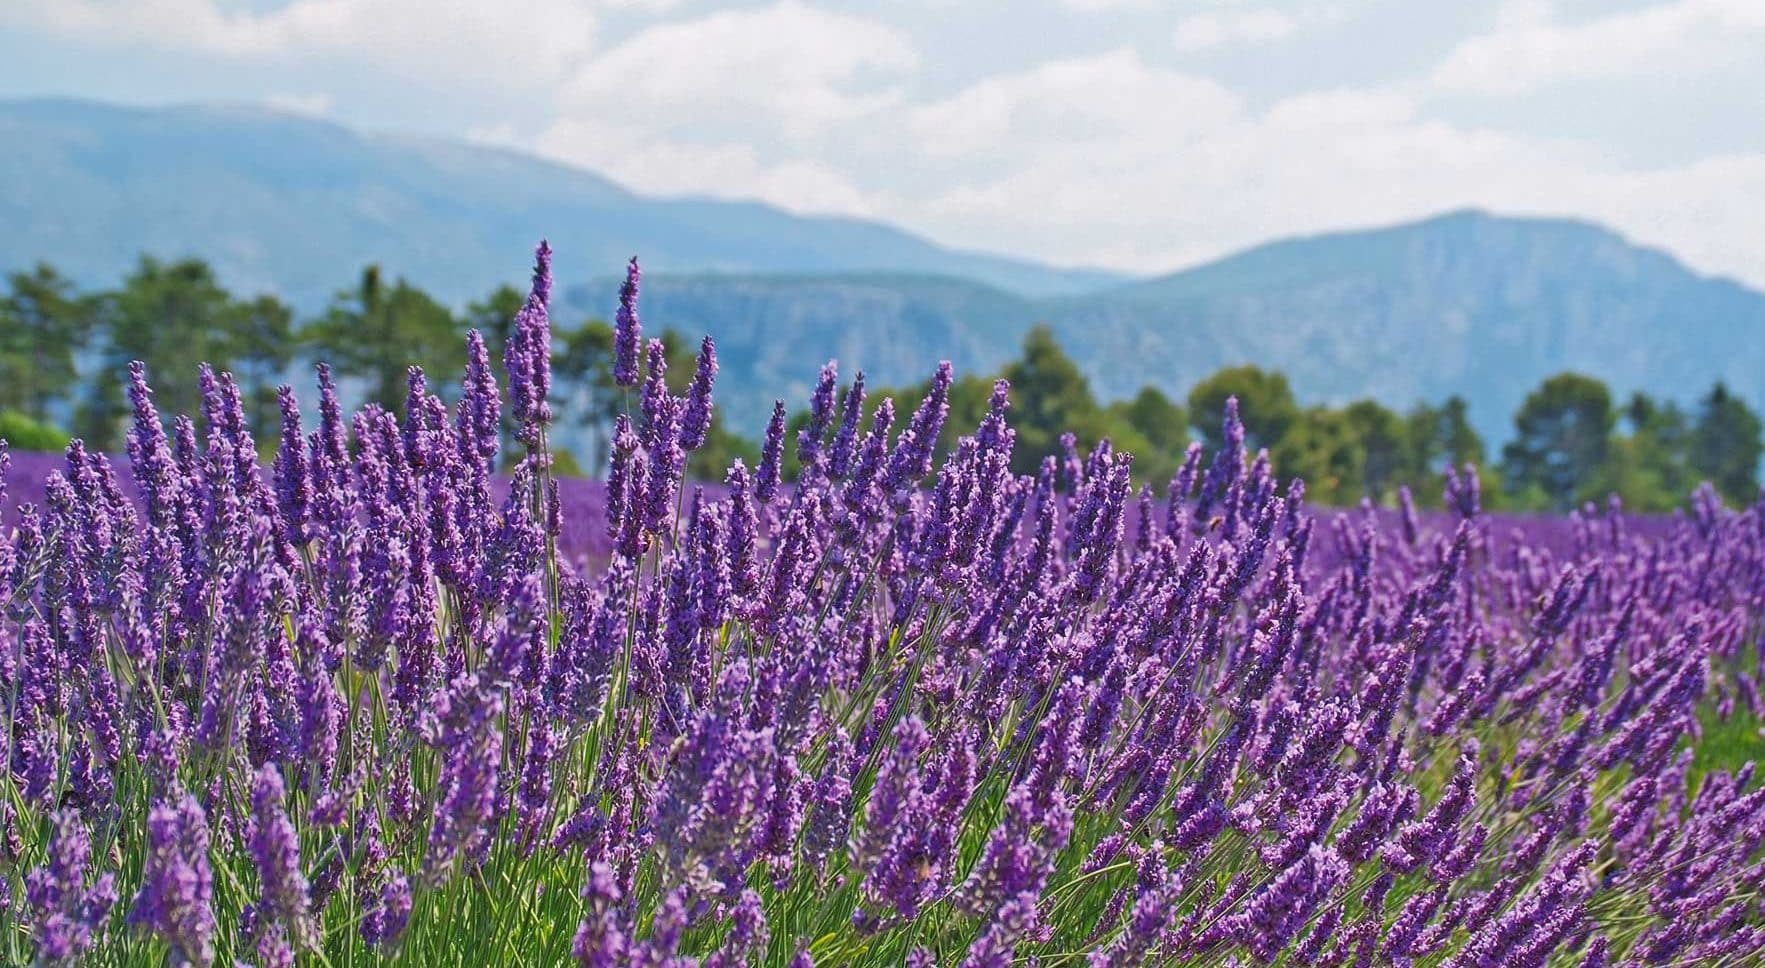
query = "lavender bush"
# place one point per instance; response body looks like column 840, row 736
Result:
column 362, row 706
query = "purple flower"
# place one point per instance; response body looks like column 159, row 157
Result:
column 1276, row 913
column 150, row 453
column 894, row 696
column 627, row 331
column 695, row 423
column 810, row 438
column 830, row 803
column 527, row 358
column 67, row 913
column 602, row 940
column 666, row 465
column 384, row 922
column 283, row 900
column 176, row 900
column 479, row 418
column 747, row 935
column 744, row 528
column 293, row 485
column 771, row 456
column 464, row 726
column 911, row 459
column 843, row 450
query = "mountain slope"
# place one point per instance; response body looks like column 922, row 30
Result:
column 1465, row 303
column 774, row 332
column 298, row 206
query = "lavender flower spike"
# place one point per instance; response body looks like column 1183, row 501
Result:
column 527, row 357
column 695, row 423
column 283, row 899
column 177, row 890
column 68, row 914
column 627, row 331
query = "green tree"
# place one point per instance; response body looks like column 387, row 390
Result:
column 1049, row 396
column 375, row 332
column 1157, row 417
column 1154, row 428
column 1265, row 405
column 494, row 317
column 1647, row 467
column 1441, row 435
column 1562, row 436
column 583, row 366
column 1438, row 436
column 170, row 316
column 711, row 461
column 1725, row 445
column 43, row 326
column 263, row 346
column 22, row 433
column 1384, row 448
column 1323, row 446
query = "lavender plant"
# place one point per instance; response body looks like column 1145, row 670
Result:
column 365, row 707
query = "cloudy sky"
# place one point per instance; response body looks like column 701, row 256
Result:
column 1135, row 134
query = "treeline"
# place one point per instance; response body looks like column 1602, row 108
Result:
column 1572, row 442
column 175, row 315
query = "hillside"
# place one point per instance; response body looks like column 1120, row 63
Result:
column 1469, row 303
column 297, row 206
column 1465, row 303
column 774, row 332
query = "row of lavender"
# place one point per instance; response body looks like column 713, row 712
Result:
column 362, row 706
column 584, row 541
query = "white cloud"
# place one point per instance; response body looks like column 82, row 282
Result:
column 1088, row 149
column 1706, row 212
column 1093, row 104
column 1326, row 160
column 788, row 65
column 1107, row 6
column 1530, row 48
column 734, row 104
column 313, row 105
column 1340, row 109
column 722, row 170
column 1105, row 159
column 1218, row 28
column 513, row 43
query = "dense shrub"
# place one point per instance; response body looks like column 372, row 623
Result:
column 22, row 433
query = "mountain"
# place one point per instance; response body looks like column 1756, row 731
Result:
column 1466, row 303
column 1470, row 303
column 774, row 332
column 297, row 206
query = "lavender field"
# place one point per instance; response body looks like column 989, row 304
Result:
column 375, row 703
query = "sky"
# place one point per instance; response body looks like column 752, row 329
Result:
column 1140, row 135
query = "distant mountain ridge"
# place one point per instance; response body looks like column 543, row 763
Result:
column 298, row 205
column 1467, row 302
